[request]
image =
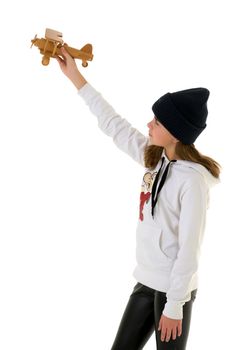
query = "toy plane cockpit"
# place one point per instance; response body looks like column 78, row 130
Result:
column 50, row 46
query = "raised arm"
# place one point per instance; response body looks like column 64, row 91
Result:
column 124, row 135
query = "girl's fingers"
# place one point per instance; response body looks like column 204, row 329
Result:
column 59, row 60
column 168, row 335
column 174, row 333
column 179, row 329
column 64, row 52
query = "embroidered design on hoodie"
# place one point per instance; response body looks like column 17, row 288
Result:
column 146, row 190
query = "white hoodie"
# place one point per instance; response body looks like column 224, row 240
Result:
column 167, row 243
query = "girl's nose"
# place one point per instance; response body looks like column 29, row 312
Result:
column 149, row 125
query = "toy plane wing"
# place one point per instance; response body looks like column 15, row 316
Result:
column 53, row 35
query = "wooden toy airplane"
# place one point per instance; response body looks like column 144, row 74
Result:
column 50, row 46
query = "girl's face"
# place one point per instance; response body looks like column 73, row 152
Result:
column 159, row 135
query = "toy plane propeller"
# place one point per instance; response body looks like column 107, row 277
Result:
column 50, row 46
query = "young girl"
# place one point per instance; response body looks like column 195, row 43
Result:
column 172, row 212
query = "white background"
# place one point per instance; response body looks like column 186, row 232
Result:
column 69, row 198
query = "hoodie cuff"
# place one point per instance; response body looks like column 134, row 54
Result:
column 87, row 91
column 173, row 309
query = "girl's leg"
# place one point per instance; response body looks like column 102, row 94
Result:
column 180, row 342
column 137, row 323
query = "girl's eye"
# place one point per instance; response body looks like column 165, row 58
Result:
column 156, row 121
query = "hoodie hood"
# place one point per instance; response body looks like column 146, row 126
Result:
column 186, row 166
column 209, row 178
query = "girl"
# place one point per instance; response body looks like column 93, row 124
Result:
column 172, row 212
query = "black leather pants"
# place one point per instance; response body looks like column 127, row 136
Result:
column 141, row 318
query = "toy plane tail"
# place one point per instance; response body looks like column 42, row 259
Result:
column 87, row 48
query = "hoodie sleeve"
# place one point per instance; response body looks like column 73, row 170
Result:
column 194, row 203
column 124, row 135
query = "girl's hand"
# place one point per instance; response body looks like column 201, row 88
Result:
column 67, row 63
column 70, row 69
column 168, row 327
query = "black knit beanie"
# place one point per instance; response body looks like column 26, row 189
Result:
column 183, row 113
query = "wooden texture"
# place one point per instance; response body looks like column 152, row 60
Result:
column 50, row 46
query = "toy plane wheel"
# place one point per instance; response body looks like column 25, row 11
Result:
column 84, row 64
column 45, row 60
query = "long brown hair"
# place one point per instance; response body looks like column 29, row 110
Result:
column 152, row 155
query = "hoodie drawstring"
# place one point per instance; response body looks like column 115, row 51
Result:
column 154, row 201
